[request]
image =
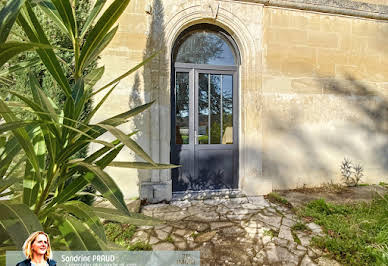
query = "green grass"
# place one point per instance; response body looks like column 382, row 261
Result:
column 299, row 227
column 140, row 246
column 355, row 234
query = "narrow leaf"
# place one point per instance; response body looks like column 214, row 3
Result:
column 85, row 213
column 30, row 186
column 126, row 73
column 13, row 48
column 18, row 221
column 100, row 30
column 92, row 77
column 105, row 185
column 128, row 142
column 8, row 15
column 49, row 9
column 93, row 14
column 6, row 183
column 76, row 234
column 142, row 165
column 35, row 33
column 22, row 137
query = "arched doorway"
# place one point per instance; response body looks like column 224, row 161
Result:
column 204, row 110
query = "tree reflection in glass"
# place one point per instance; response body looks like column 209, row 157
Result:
column 203, row 47
column 182, row 107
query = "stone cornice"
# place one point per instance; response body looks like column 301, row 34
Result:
column 338, row 7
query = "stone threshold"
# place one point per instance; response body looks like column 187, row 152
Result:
column 207, row 194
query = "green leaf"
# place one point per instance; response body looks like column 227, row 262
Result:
column 102, row 45
column 85, row 213
column 131, row 218
column 22, row 137
column 105, row 185
column 93, row 14
column 77, row 235
column 69, row 191
column 99, row 31
column 19, row 66
column 92, row 77
column 30, row 186
column 128, row 142
column 6, row 183
column 66, row 14
column 18, row 221
column 95, row 109
column 125, row 74
column 13, row 48
column 15, row 125
column 122, row 118
column 35, row 33
column 141, row 165
column 49, row 9
column 8, row 15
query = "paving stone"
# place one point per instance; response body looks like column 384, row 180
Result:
column 205, row 250
column 280, row 241
column 315, row 228
column 258, row 201
column 216, row 225
column 273, row 221
column 161, row 234
column 163, row 246
column 232, row 231
column 205, row 216
column 266, row 239
column 307, row 261
column 288, row 222
column 139, row 236
column 323, row 261
column 180, row 232
column 304, row 238
column 237, row 217
column 167, row 229
column 285, row 232
column 181, row 203
column 181, row 245
column 205, row 236
column 134, row 206
column 197, row 226
column 251, row 232
column 192, row 245
column 153, row 240
column 176, row 238
column 279, row 254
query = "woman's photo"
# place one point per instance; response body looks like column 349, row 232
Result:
column 37, row 250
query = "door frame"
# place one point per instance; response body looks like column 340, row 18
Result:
column 194, row 70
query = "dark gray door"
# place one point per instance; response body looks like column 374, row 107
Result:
column 204, row 128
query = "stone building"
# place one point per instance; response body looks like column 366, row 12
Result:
column 251, row 95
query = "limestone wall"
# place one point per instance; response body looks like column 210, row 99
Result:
column 325, row 83
column 312, row 89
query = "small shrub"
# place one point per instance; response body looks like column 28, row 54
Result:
column 169, row 239
column 351, row 174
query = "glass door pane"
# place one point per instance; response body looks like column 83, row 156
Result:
column 215, row 109
column 227, row 109
column 182, row 108
column 203, row 109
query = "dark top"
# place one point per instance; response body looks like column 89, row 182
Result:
column 28, row 263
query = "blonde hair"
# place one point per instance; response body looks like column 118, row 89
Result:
column 27, row 246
